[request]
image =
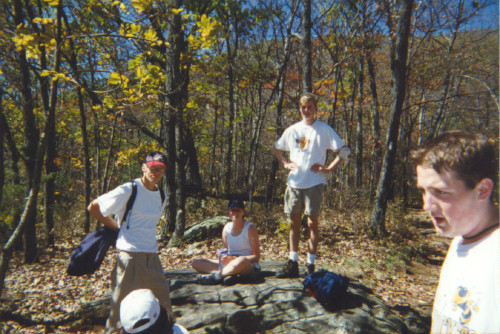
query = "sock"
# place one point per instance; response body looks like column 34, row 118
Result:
column 294, row 256
column 311, row 258
column 217, row 276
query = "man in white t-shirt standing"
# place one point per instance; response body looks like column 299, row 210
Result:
column 457, row 173
column 308, row 142
column 138, row 265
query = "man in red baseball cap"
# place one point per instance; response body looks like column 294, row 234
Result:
column 138, row 265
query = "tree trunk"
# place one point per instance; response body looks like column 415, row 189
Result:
column 180, row 219
column 279, row 106
column 214, row 150
column 172, row 170
column 359, row 128
column 109, row 157
column 448, row 78
column 31, row 138
column 377, row 147
column 97, row 147
column 253, row 149
column 175, row 90
column 279, row 130
column 2, row 157
column 86, row 152
column 50, row 133
column 398, row 72
column 331, row 118
column 438, row 117
column 83, row 125
column 231, row 54
column 193, row 176
column 405, row 157
column 306, row 48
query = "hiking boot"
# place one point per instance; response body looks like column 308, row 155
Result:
column 309, row 268
column 207, row 279
column 290, row 270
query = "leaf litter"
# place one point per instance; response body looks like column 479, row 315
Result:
column 42, row 298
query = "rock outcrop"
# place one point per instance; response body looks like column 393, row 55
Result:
column 272, row 305
column 206, row 229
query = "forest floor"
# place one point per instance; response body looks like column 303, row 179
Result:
column 403, row 268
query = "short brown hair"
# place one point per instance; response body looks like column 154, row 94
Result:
column 472, row 157
column 309, row 97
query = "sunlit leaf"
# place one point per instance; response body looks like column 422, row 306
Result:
column 176, row 11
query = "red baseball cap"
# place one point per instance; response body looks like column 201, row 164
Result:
column 156, row 158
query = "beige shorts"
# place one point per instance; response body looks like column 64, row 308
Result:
column 307, row 201
column 136, row 271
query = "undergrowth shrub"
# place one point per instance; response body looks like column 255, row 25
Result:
column 283, row 229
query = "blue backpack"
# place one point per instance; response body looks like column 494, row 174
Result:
column 326, row 287
column 87, row 257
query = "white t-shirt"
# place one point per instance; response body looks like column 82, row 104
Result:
column 139, row 232
column 240, row 244
column 308, row 144
column 468, row 295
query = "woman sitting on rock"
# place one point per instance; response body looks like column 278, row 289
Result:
column 241, row 241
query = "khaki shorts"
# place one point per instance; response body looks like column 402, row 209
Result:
column 307, row 201
column 136, row 271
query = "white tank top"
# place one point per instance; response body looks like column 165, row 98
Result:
column 240, row 244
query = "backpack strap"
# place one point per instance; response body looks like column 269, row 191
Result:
column 130, row 202
column 131, row 199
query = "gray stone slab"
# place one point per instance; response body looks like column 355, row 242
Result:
column 272, row 305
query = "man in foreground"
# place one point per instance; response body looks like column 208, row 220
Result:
column 457, row 173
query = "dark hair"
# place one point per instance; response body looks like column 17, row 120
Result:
column 472, row 157
column 162, row 325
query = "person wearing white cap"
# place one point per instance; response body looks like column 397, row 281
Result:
column 141, row 313
column 138, row 264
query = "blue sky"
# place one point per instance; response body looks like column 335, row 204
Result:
column 487, row 19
